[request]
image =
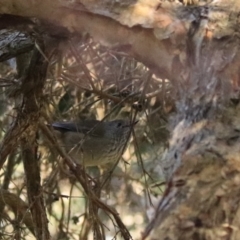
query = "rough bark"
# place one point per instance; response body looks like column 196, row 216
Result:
column 161, row 46
column 32, row 74
column 32, row 89
column 202, row 197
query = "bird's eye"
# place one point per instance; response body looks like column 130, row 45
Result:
column 119, row 124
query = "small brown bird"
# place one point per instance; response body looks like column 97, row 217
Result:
column 92, row 142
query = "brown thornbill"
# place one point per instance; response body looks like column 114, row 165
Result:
column 93, row 142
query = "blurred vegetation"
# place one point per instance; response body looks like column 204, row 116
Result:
column 88, row 81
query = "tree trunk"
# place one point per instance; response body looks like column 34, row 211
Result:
column 203, row 193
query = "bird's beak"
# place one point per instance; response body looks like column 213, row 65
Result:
column 134, row 123
column 131, row 124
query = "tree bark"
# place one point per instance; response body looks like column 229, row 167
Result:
column 202, row 197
